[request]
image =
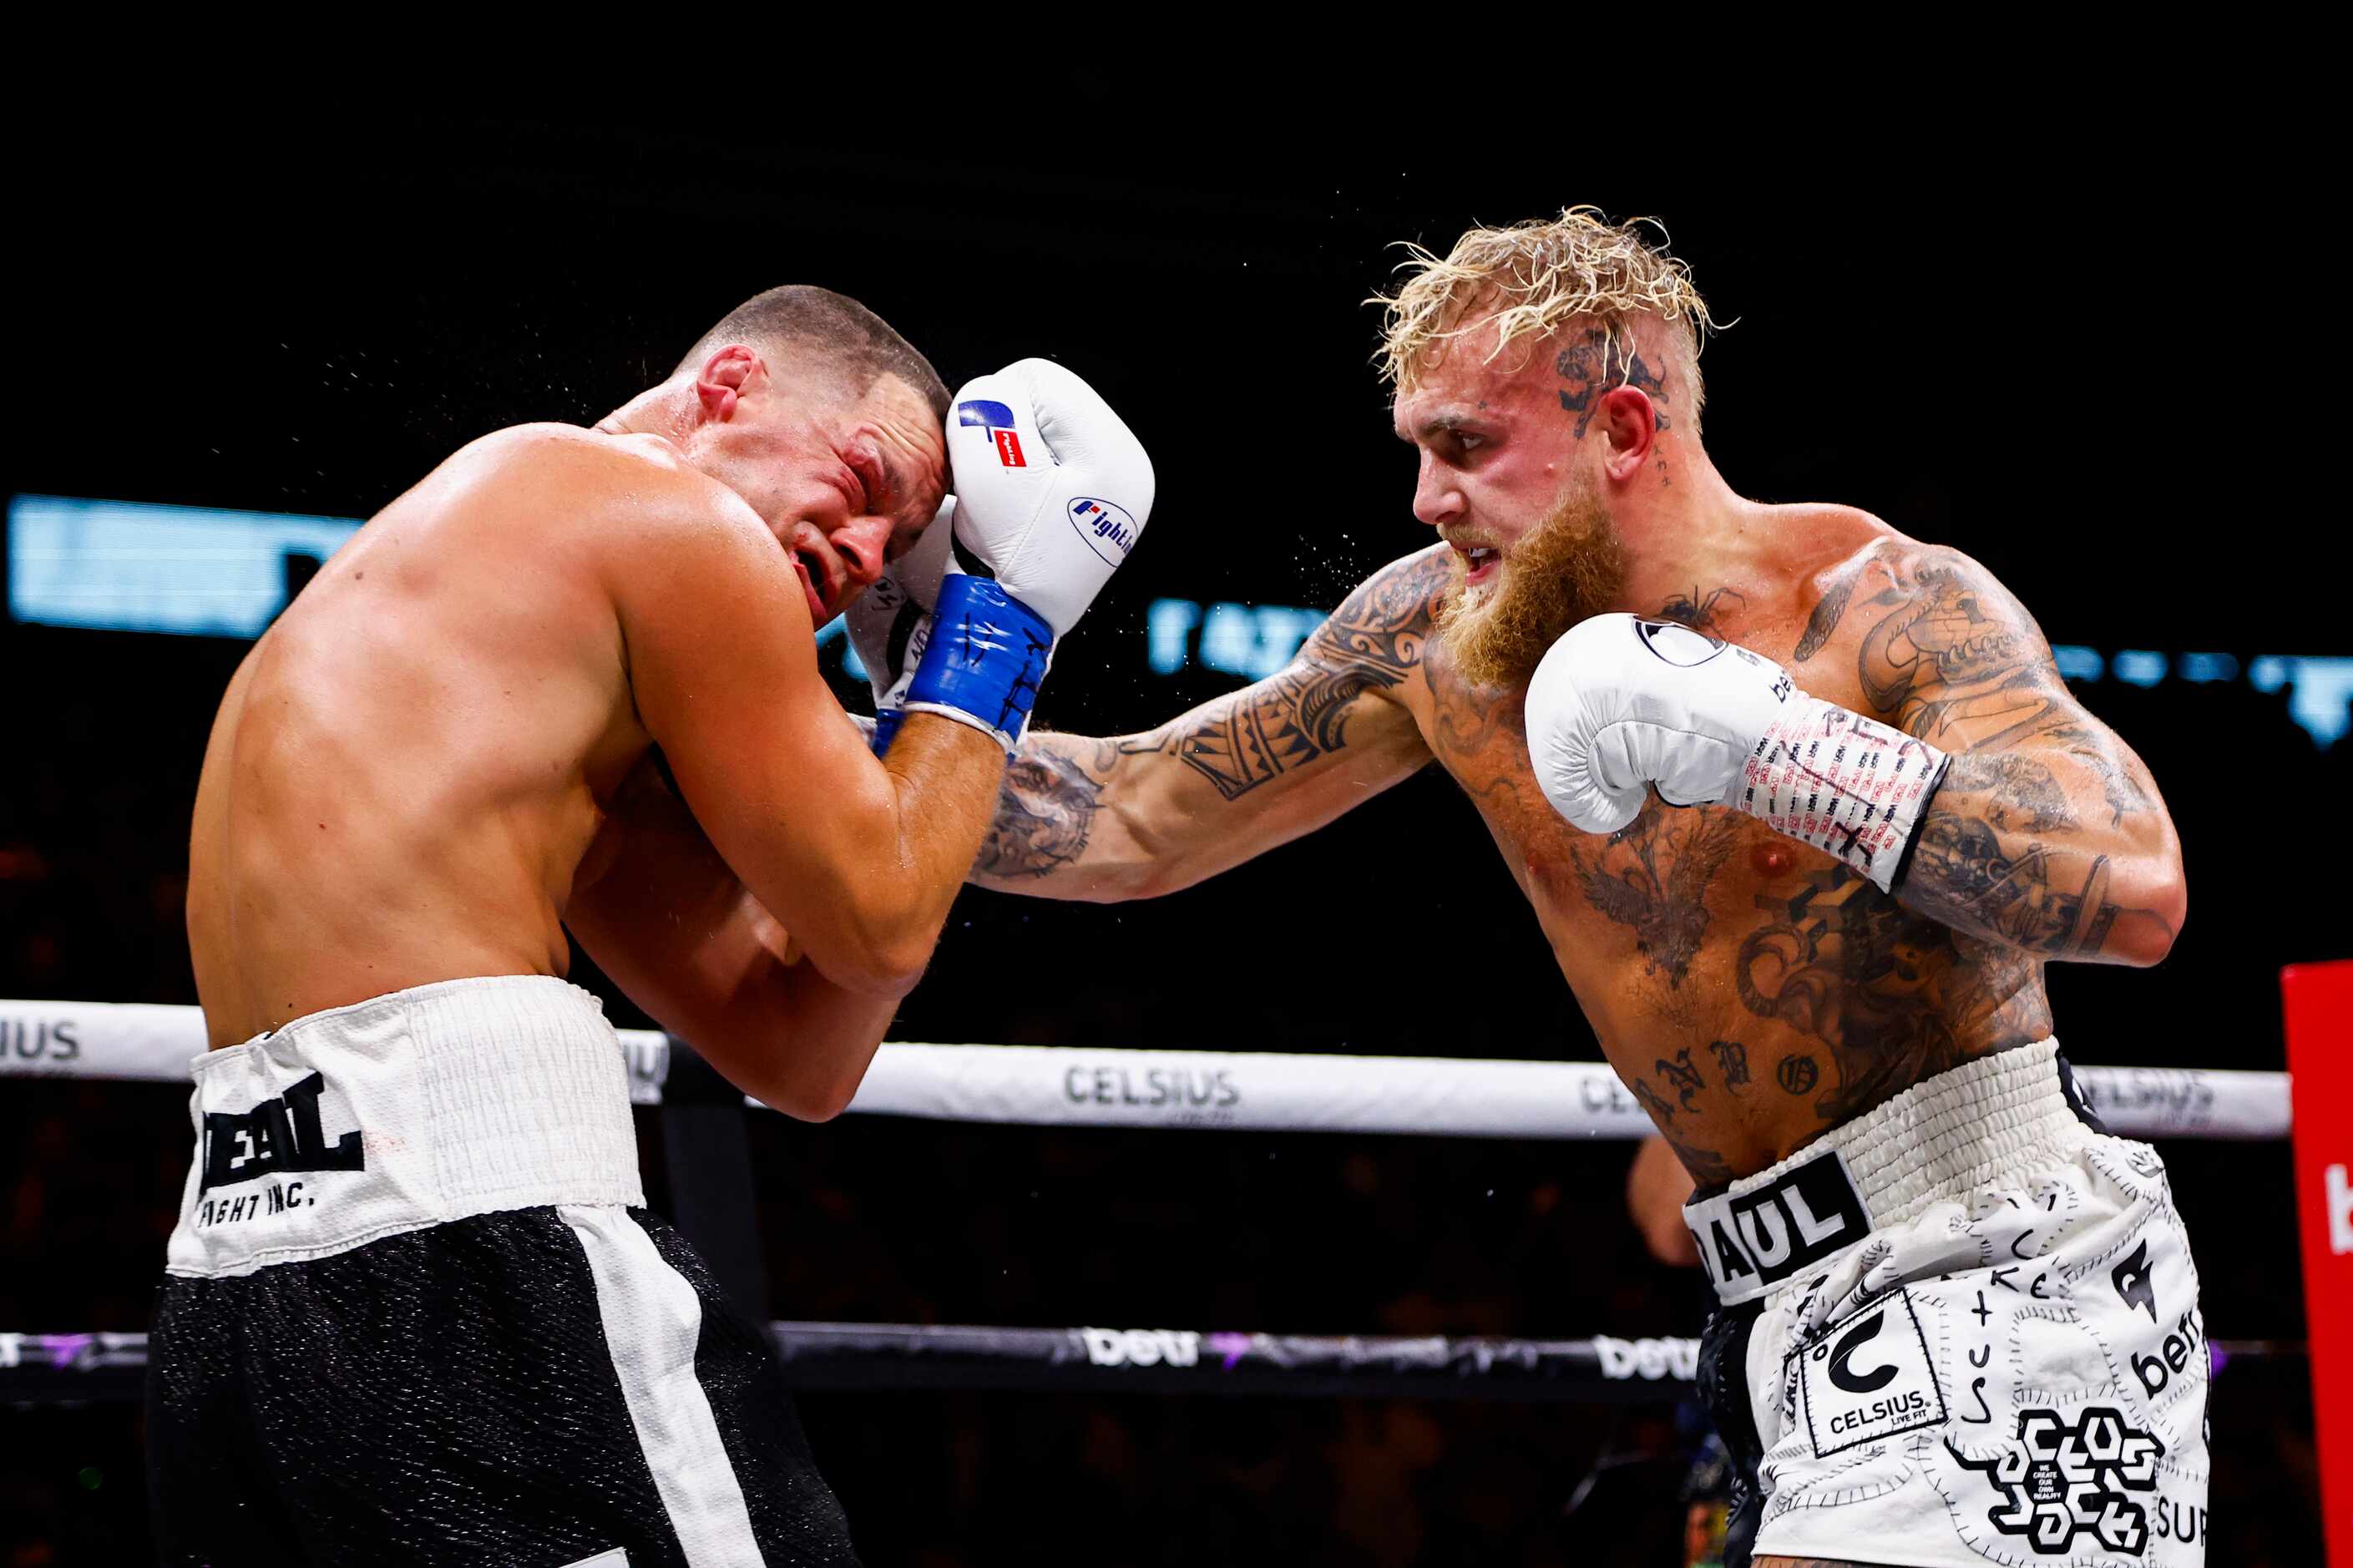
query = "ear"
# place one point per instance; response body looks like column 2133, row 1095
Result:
column 723, row 380
column 1628, row 423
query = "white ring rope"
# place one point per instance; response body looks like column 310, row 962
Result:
column 1054, row 1086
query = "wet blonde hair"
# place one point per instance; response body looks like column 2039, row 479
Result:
column 1531, row 280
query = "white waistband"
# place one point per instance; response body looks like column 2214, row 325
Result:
column 1945, row 1136
column 405, row 1111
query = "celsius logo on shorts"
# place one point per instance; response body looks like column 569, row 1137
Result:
column 1108, row 529
column 998, row 420
column 1870, row 1378
column 1676, row 643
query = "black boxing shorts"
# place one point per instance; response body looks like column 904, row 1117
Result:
column 415, row 1311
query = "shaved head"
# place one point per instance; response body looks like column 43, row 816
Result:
column 803, row 330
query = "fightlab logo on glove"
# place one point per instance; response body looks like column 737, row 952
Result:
column 996, row 418
column 1106, row 526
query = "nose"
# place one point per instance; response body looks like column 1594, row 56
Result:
column 1436, row 498
column 862, row 544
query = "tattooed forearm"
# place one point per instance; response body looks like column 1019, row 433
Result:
column 1372, row 642
column 1045, row 810
column 2005, row 852
column 1964, row 876
column 2017, row 791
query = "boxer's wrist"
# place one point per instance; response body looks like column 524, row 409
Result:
column 987, row 652
column 1849, row 785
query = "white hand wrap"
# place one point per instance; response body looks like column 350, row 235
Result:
column 1850, row 786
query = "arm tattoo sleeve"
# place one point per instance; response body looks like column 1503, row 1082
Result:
column 1045, row 810
column 2020, row 843
column 1371, row 643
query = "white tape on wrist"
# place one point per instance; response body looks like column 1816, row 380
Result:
column 1846, row 784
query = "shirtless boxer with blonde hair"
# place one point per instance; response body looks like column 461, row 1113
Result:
column 414, row 1311
column 1958, row 1323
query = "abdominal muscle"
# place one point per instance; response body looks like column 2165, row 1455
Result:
column 403, row 778
column 1750, row 991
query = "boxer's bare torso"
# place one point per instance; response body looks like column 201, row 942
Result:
column 443, row 756
column 1749, row 990
column 408, row 768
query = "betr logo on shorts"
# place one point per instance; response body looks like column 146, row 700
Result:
column 281, row 1134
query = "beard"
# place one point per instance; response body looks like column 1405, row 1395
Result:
column 1567, row 569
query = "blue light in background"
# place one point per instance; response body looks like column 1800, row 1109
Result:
column 132, row 566
column 127, row 566
column 1254, row 640
column 1168, row 624
column 2201, row 668
column 2323, row 700
column 2077, row 663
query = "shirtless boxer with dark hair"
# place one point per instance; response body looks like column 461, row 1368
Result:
column 414, row 1311
column 1957, row 1324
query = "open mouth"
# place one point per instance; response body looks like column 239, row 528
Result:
column 812, row 575
column 1478, row 560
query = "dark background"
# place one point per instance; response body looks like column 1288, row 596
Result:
column 2061, row 331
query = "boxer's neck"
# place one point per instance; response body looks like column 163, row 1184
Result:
column 1685, row 530
column 670, row 410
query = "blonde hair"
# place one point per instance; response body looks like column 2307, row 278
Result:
column 1539, row 276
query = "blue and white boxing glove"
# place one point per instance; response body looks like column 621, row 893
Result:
column 1051, row 492
column 1622, row 705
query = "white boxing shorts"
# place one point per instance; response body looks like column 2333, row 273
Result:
column 1962, row 1329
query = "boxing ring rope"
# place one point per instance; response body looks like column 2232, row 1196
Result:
column 1257, row 1091
column 1062, row 1087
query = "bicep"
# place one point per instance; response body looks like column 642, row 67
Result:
column 1952, row 656
column 723, row 665
column 1949, row 656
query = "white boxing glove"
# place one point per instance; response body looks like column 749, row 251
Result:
column 1052, row 489
column 1051, row 492
column 1621, row 705
column 890, row 625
